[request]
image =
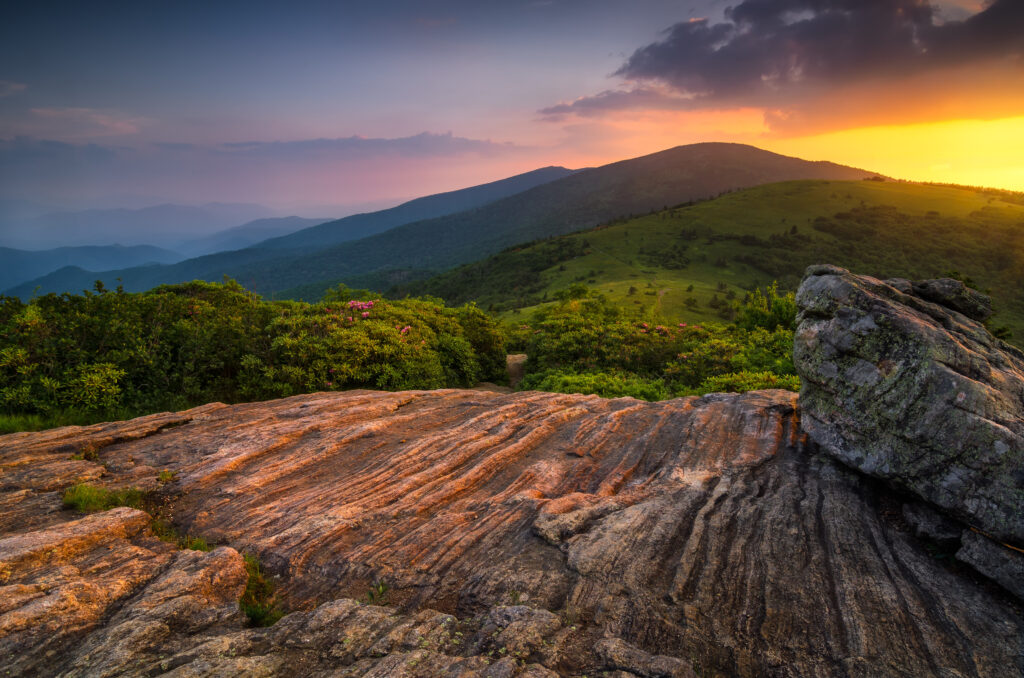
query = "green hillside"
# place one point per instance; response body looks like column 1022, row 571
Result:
column 688, row 262
column 587, row 198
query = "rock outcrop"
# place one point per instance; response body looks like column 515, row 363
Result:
column 901, row 381
column 519, row 534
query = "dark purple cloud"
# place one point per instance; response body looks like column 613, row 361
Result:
column 769, row 50
column 638, row 98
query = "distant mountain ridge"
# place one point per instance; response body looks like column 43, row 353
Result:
column 574, row 202
column 247, row 235
column 166, row 225
column 306, row 240
column 17, row 266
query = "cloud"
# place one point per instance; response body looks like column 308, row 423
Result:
column 79, row 123
column 775, row 53
column 648, row 97
column 175, row 146
column 425, row 144
column 21, row 151
column 10, row 88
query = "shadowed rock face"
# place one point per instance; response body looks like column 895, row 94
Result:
column 899, row 384
column 521, row 534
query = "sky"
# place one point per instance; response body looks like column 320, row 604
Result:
column 322, row 108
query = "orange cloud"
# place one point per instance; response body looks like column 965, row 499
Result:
column 988, row 91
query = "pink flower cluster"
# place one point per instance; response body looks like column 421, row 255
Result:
column 360, row 305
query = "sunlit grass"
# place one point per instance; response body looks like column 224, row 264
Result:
column 90, row 498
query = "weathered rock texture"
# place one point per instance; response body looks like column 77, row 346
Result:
column 899, row 383
column 521, row 535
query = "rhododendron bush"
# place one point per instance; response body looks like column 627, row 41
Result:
column 588, row 345
column 110, row 353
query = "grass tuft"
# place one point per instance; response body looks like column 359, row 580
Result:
column 258, row 602
column 166, row 532
column 378, row 593
column 89, row 498
column 194, row 543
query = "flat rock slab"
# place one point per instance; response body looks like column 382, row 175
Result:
column 527, row 534
column 900, row 384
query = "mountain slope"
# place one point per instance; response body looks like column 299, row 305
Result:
column 736, row 242
column 429, row 207
column 584, row 199
column 17, row 266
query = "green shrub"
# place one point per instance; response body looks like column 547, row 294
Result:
column 92, row 388
column 768, row 310
column 107, row 354
column 586, row 345
column 604, row 384
column 741, row 382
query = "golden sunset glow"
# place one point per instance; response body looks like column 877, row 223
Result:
column 972, row 152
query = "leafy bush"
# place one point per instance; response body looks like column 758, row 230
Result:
column 587, row 345
column 768, row 310
column 92, row 388
column 604, row 384
column 741, row 382
column 107, row 353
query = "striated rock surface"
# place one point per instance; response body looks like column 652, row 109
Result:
column 902, row 382
column 521, row 534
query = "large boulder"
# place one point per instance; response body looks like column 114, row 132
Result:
column 903, row 382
